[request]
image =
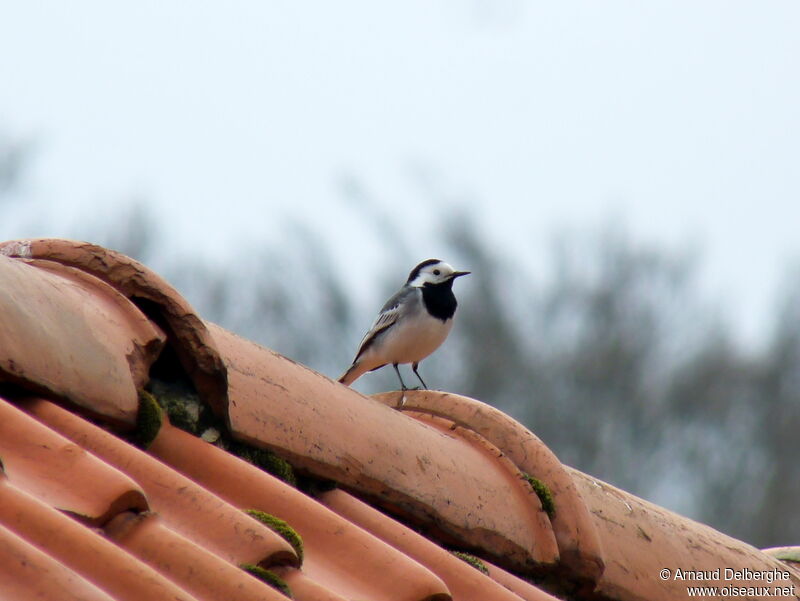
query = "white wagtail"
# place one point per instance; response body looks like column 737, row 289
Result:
column 411, row 325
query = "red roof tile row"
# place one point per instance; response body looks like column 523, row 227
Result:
column 85, row 512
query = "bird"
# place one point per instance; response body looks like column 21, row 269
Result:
column 412, row 324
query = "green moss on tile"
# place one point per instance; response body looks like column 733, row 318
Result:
column 149, row 418
column 261, row 458
column 182, row 404
column 473, row 561
column 281, row 528
column 186, row 411
column 269, row 578
column 543, row 492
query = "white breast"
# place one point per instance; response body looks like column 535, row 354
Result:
column 414, row 339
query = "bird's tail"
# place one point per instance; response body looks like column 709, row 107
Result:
column 353, row 373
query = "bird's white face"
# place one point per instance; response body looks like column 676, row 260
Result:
column 432, row 273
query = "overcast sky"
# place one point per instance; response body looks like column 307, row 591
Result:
column 680, row 117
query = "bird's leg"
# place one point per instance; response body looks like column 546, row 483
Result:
column 414, row 367
column 402, row 384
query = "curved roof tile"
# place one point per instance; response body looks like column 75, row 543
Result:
column 27, row 572
column 188, row 508
column 578, row 543
column 82, row 549
column 465, row 582
column 521, row 503
column 642, row 539
column 151, row 292
column 305, row 588
column 337, row 552
column 62, row 473
column 48, row 342
column 193, row 567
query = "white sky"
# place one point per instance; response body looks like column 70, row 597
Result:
column 680, row 116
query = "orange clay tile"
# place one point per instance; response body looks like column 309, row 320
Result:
column 464, row 581
column 338, row 555
column 578, row 542
column 337, row 433
column 26, row 573
column 187, row 332
column 304, row 588
column 195, row 569
column 69, row 333
column 641, row 539
column 82, row 550
column 61, row 473
column 188, row 508
column 517, row 585
column 532, row 519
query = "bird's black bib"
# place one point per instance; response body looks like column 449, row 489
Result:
column 439, row 300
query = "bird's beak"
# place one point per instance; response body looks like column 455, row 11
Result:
column 458, row 274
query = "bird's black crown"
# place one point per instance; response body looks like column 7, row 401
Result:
column 415, row 272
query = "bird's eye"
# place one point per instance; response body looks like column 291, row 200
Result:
column 436, row 272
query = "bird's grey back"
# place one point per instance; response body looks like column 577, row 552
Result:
column 403, row 296
column 404, row 302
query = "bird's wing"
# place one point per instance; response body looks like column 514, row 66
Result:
column 386, row 318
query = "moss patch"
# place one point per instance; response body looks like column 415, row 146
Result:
column 281, row 528
column 186, row 411
column 269, row 578
column 543, row 492
column 149, row 418
column 473, row 561
column 183, row 406
column 261, row 458
column 792, row 554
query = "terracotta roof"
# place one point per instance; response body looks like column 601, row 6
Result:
column 148, row 454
